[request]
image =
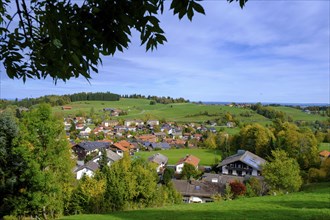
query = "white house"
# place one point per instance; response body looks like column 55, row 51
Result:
column 87, row 169
column 190, row 159
column 160, row 160
column 241, row 164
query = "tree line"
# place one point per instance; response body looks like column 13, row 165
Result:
column 58, row 100
column 157, row 99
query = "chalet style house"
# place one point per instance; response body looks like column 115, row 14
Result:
column 241, row 164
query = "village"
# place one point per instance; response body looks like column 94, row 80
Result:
column 114, row 140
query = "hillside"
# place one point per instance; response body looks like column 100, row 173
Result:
column 312, row 203
column 180, row 112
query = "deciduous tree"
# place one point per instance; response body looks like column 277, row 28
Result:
column 65, row 39
column 282, row 173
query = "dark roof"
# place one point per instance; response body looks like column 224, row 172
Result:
column 246, row 157
column 158, row 158
column 196, row 188
column 93, row 145
column 91, row 165
column 162, row 145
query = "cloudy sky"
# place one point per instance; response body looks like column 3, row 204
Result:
column 271, row 51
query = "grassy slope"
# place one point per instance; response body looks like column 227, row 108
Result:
column 312, row 203
column 180, row 112
column 297, row 114
column 207, row 157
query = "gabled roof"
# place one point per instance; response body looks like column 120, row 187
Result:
column 196, row 188
column 92, row 145
column 162, row 145
column 246, row 157
column 113, row 156
column 120, row 147
column 324, row 153
column 158, row 158
column 90, row 165
column 190, row 159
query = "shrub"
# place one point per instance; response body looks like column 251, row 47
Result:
column 237, row 188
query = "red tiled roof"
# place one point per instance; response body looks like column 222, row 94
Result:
column 324, row 153
column 120, row 147
column 190, row 159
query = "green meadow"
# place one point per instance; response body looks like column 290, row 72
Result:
column 299, row 115
column 176, row 112
column 179, row 112
column 207, row 157
column 312, row 203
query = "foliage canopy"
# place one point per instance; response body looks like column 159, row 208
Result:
column 62, row 39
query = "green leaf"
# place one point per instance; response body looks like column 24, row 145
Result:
column 197, row 7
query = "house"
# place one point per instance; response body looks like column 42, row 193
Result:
column 119, row 149
column 152, row 122
column 87, row 169
column 324, row 154
column 160, row 135
column 128, row 123
column 147, row 137
column 190, row 159
column 91, row 166
column 86, row 148
column 241, row 164
column 84, row 133
column 196, row 191
column 66, row 107
column 160, row 160
column 111, row 157
column 162, row 145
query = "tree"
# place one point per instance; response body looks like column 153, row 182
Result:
column 8, row 166
column 282, row 173
column 257, row 139
column 298, row 143
column 189, row 171
column 42, row 155
column 61, row 39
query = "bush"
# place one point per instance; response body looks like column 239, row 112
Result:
column 237, row 188
column 316, row 175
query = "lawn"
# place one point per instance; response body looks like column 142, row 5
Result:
column 313, row 203
column 324, row 146
column 207, row 157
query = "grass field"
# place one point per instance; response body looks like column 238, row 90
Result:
column 179, row 112
column 313, row 204
column 297, row 114
column 324, row 146
column 207, row 157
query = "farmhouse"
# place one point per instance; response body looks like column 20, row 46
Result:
column 190, row 159
column 241, row 164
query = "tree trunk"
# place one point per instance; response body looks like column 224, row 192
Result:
column 44, row 213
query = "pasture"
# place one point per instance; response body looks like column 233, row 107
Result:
column 311, row 203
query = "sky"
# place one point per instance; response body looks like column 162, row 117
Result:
column 271, row 51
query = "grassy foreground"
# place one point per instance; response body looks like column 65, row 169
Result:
column 312, row 203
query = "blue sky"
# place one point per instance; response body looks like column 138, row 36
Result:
column 271, row 51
